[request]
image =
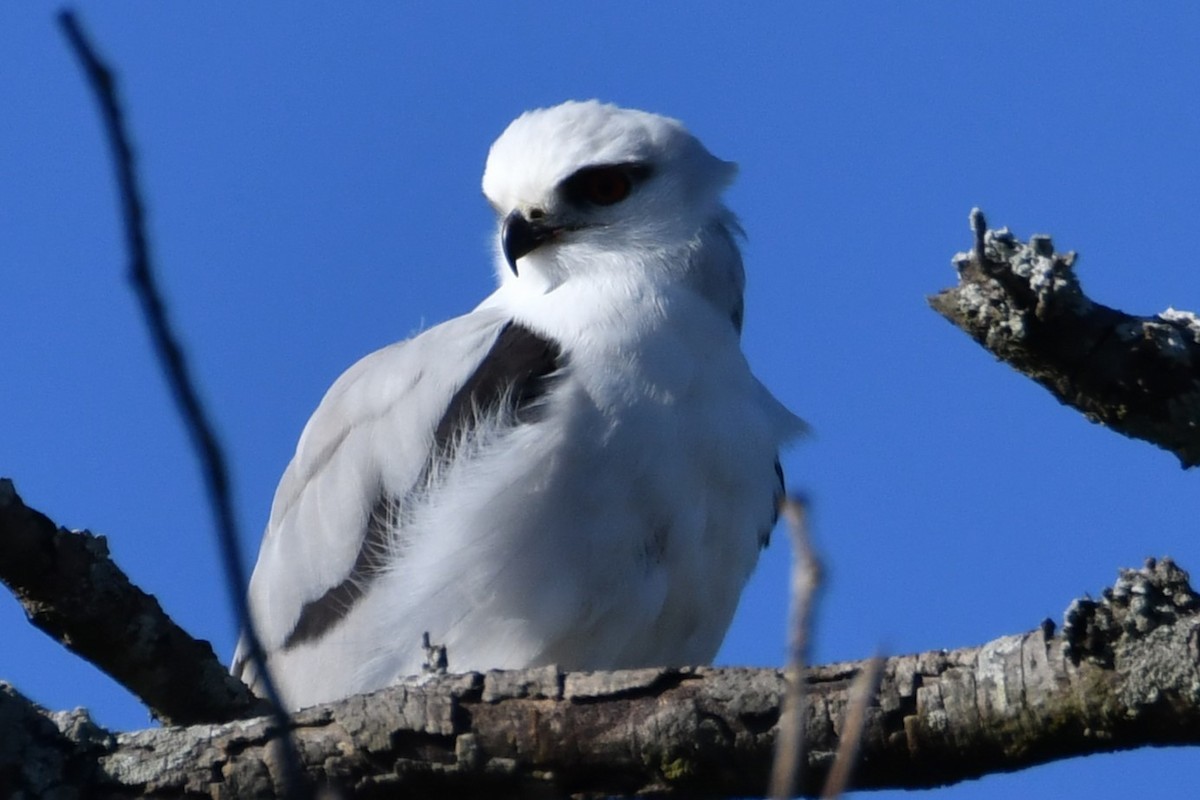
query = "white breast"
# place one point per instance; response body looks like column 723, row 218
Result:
column 617, row 531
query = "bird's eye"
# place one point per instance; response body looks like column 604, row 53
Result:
column 601, row 186
column 604, row 186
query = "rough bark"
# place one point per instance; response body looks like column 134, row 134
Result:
column 1123, row 673
column 71, row 589
column 1023, row 302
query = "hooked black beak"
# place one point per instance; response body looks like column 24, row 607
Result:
column 520, row 236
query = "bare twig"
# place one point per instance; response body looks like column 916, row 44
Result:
column 862, row 692
column 171, row 357
column 73, row 591
column 806, row 578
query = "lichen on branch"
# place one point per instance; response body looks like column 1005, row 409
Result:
column 1139, row 375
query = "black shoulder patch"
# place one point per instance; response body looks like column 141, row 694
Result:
column 764, row 536
column 516, row 369
column 519, row 370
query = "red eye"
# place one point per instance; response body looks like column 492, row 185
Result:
column 605, row 186
column 602, row 186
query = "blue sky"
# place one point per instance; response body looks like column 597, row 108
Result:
column 313, row 183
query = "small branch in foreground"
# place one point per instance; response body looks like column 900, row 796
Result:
column 166, row 343
column 73, row 591
column 806, row 579
column 1023, row 302
column 174, row 364
column 1122, row 674
column 862, row 694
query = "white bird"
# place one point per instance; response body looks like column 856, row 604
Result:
column 579, row 472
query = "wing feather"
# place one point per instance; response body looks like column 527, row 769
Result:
column 373, row 440
column 371, row 434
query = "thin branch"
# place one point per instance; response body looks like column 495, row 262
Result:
column 862, row 693
column 73, row 591
column 806, row 579
column 1122, row 674
column 1023, row 302
column 171, row 356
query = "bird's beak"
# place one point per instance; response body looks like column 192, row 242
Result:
column 520, row 236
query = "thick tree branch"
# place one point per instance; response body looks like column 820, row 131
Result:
column 73, row 591
column 1124, row 673
column 1023, row 302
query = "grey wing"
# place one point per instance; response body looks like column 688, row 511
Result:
column 372, row 441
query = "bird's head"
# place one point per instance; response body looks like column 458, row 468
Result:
column 586, row 186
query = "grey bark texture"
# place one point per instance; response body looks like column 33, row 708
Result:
column 1023, row 302
column 1124, row 672
column 73, row 591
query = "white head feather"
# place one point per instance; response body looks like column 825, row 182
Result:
column 672, row 225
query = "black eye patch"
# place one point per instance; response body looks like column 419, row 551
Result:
column 603, row 185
